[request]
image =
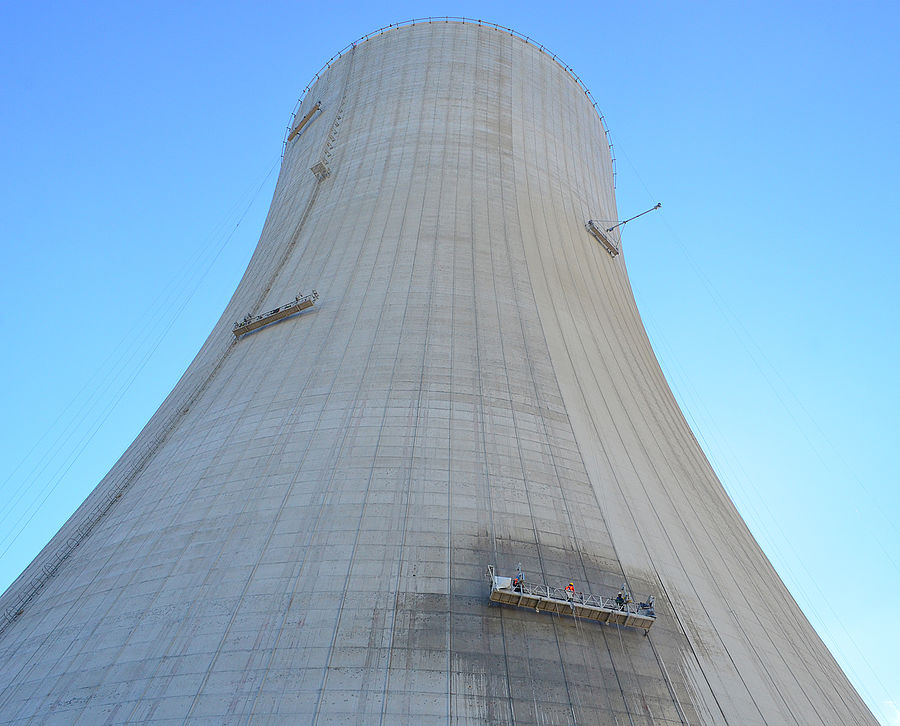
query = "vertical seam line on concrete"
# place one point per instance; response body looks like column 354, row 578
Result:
column 661, row 480
column 487, row 478
column 566, row 200
column 618, row 483
column 551, row 220
column 527, row 193
column 418, row 413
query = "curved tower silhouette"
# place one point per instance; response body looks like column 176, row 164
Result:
column 301, row 532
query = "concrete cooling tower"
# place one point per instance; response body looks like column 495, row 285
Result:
column 429, row 406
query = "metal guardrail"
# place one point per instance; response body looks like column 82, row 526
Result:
column 456, row 19
column 582, row 598
column 620, row 610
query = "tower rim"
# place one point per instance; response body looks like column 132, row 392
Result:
column 463, row 21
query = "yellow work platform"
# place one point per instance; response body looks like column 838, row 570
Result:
column 249, row 324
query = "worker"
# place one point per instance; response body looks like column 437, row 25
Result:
column 570, row 590
column 620, row 600
column 517, row 584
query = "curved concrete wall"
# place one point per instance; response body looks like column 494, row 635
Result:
column 301, row 532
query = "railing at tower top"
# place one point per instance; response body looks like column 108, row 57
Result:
column 456, row 19
column 617, row 610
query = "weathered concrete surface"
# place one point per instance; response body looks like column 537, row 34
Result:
column 301, row 532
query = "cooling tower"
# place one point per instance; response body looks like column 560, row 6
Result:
column 302, row 532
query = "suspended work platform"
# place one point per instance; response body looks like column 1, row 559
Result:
column 603, row 236
column 251, row 323
column 305, row 120
column 565, row 601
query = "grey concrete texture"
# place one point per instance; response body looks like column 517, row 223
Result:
column 301, row 532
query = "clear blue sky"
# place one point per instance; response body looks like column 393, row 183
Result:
column 134, row 137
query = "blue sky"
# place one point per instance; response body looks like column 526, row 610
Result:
column 139, row 145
